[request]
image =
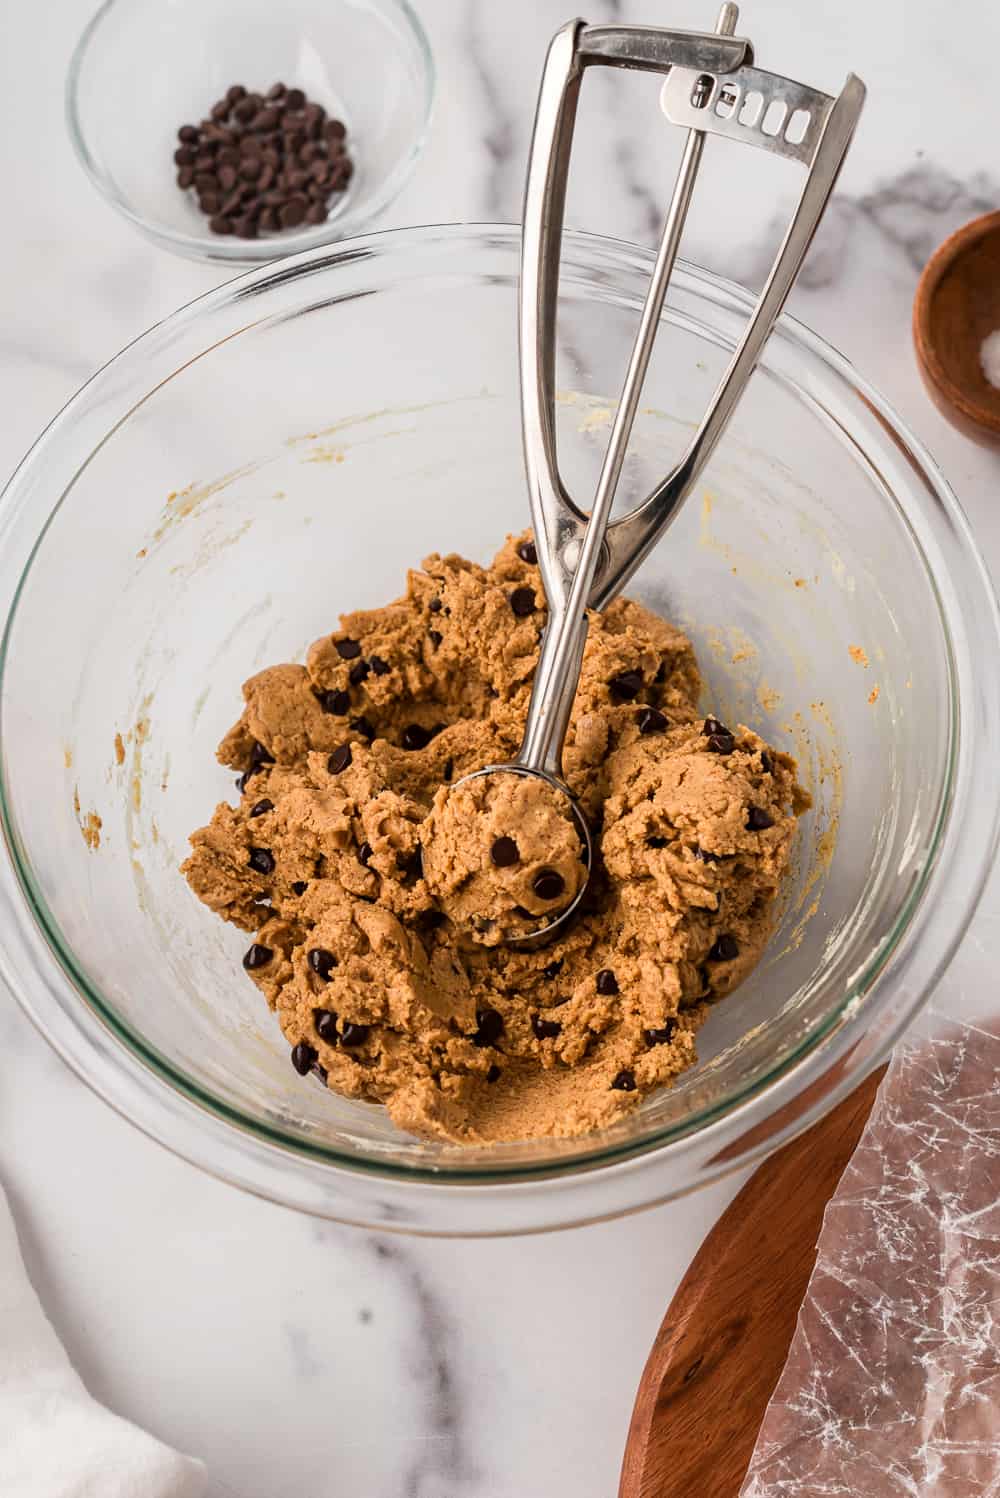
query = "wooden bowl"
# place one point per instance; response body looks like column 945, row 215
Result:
column 957, row 305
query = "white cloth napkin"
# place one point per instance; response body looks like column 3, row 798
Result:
column 55, row 1441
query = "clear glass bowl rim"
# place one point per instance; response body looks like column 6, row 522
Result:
column 607, row 1181
column 247, row 251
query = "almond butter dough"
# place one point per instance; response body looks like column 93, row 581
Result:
column 340, row 860
column 502, row 856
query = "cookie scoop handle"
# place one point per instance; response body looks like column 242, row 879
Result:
column 582, row 558
column 585, row 560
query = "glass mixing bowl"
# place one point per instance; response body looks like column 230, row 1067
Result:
column 282, row 450
column 142, row 68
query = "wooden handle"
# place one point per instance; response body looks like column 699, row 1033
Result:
column 725, row 1338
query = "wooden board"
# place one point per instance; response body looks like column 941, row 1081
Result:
column 725, row 1337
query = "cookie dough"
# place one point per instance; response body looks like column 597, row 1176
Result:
column 343, row 860
column 502, row 856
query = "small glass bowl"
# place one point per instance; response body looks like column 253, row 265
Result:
column 143, row 68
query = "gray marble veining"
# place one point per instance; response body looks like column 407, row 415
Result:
column 440, row 1464
column 303, row 1358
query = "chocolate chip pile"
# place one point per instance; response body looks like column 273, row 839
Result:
column 263, row 163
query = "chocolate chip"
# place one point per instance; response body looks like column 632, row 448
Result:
column 725, row 949
column 317, row 213
column 662, row 1036
column 185, row 177
column 758, row 819
column 553, row 969
column 489, row 1024
column 435, row 605
column 363, row 727
column 220, row 224
column 358, row 673
column 651, row 721
column 256, row 956
column 295, row 98
column 656, row 842
column 721, row 743
column 528, row 552
column 766, row 763
column 379, row 666
column 352, row 1035
column 411, row 863
column 435, row 636
column 321, row 1072
column 337, row 703
column 720, row 738
column 548, row 884
column 449, row 769
column 339, row 759
column 260, row 807
column 624, row 1081
column 348, row 650
column 188, row 134
column 661, row 674
column 291, row 214
column 606, row 982
column 522, row 602
column 184, row 156
column 299, row 887
column 304, row 1058
column 322, row 962
column 705, row 856
column 545, row 1029
column 494, row 1073
column 325, row 1024
column 504, row 852
column 415, row 736
column 261, row 860
column 260, row 755
column 364, row 854
column 626, row 686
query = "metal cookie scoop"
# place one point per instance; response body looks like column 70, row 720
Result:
column 712, row 88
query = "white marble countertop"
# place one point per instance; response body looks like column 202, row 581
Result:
column 298, row 1357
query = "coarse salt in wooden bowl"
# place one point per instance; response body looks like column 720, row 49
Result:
column 955, row 312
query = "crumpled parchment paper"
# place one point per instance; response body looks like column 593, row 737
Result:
column 892, row 1385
